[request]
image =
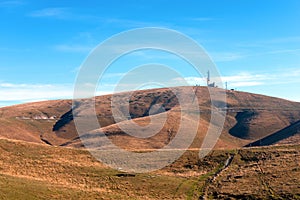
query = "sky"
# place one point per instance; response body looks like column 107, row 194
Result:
column 254, row 44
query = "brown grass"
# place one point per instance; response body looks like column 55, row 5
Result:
column 36, row 171
column 270, row 115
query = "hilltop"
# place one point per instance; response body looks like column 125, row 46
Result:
column 34, row 163
column 249, row 118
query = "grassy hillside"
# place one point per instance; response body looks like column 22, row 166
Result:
column 249, row 118
column 35, row 171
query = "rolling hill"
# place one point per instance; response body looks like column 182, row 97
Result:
column 250, row 117
column 34, row 163
column 36, row 171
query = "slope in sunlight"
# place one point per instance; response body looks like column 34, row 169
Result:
column 249, row 117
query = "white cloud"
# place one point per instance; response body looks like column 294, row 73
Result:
column 28, row 92
column 275, row 52
column 113, row 75
column 246, row 84
column 73, row 48
column 250, row 79
column 233, row 56
column 247, row 77
column 246, row 80
column 225, row 56
column 11, row 3
column 282, row 40
column 11, row 93
column 195, row 81
column 239, row 80
column 13, row 86
column 50, row 12
column 200, row 19
column 271, row 42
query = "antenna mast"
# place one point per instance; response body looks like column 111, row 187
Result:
column 208, row 78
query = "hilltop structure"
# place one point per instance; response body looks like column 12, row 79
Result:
column 213, row 84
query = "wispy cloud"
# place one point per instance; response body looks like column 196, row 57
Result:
column 113, row 75
column 280, row 51
column 82, row 42
column 63, row 13
column 66, row 13
column 291, row 39
column 245, row 76
column 226, row 56
column 51, row 12
column 246, row 79
column 130, row 23
column 270, row 42
column 16, row 50
column 73, row 48
column 25, row 92
column 235, row 81
column 11, row 93
column 12, row 3
column 202, row 19
column 232, row 56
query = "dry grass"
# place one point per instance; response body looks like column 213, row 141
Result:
column 35, row 171
column 67, row 173
column 260, row 173
column 269, row 116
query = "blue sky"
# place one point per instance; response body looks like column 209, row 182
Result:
column 255, row 44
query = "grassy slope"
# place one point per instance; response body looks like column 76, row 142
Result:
column 13, row 127
column 249, row 118
column 34, row 171
column 40, row 171
column 260, row 173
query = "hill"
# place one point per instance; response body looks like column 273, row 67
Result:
column 289, row 134
column 250, row 117
column 36, row 171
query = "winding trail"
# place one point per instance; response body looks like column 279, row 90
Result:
column 212, row 178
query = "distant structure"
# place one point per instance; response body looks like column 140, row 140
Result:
column 213, row 84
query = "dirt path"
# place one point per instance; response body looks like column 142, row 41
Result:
column 213, row 177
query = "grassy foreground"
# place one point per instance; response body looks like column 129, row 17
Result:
column 34, row 171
